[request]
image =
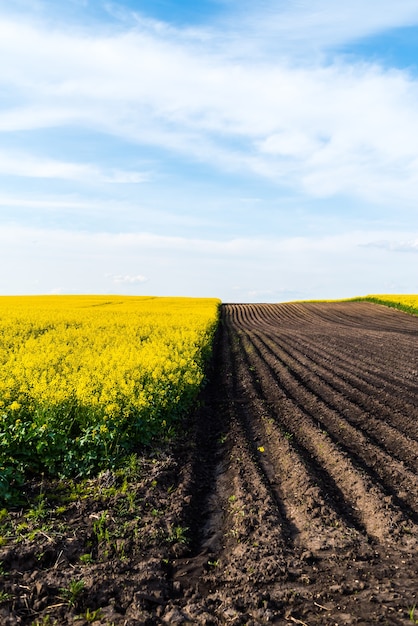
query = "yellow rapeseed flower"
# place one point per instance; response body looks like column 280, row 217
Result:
column 103, row 363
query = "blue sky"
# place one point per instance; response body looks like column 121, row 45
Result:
column 249, row 151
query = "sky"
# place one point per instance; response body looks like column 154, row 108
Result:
column 250, row 151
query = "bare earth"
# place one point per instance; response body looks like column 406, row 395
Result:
column 291, row 497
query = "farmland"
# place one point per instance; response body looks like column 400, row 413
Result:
column 288, row 496
column 83, row 379
column 408, row 303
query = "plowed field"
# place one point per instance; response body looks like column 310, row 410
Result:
column 315, row 499
column 296, row 481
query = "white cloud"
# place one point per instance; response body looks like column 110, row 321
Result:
column 54, row 204
column 305, row 27
column 322, row 130
column 395, row 245
column 32, row 166
column 263, row 268
column 127, row 278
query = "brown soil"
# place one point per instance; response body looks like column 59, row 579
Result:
column 291, row 497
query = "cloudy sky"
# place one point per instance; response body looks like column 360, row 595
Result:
column 251, row 151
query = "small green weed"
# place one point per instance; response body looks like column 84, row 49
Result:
column 100, row 529
column 178, row 534
column 71, row 593
column 133, row 466
column 411, row 614
column 38, row 512
column 5, row 597
column 91, row 616
column 86, row 558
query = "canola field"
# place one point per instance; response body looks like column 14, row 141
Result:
column 85, row 379
column 402, row 302
column 408, row 303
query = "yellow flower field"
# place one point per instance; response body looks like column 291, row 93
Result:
column 408, row 303
column 83, row 378
column 404, row 302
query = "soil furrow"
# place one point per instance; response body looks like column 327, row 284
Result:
column 368, row 501
column 347, row 423
column 290, row 471
column 362, row 410
column 375, row 377
column 370, row 391
column 243, row 410
column 380, row 390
